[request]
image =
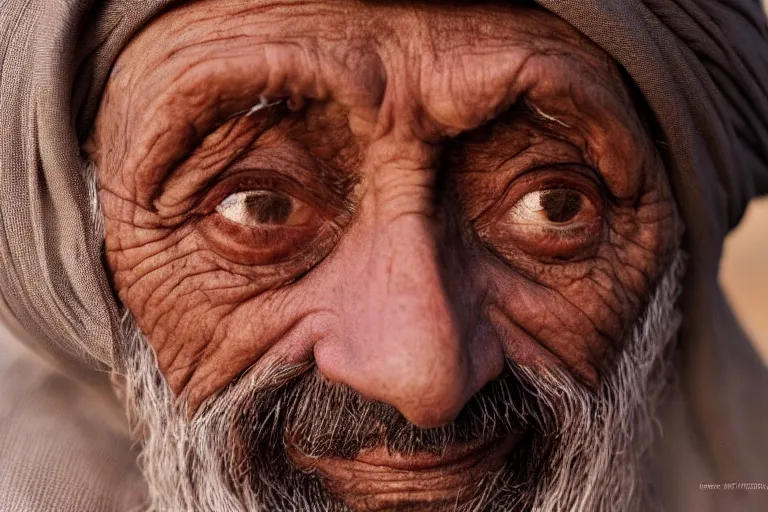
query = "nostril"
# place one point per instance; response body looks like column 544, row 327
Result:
column 432, row 416
column 431, row 397
column 427, row 395
column 439, row 399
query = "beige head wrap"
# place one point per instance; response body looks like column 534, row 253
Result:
column 702, row 66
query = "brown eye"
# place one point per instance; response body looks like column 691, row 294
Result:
column 560, row 205
column 264, row 227
column 554, row 213
column 545, row 207
column 256, row 208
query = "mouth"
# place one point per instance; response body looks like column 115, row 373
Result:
column 377, row 479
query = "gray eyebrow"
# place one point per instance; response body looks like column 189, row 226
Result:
column 263, row 104
column 536, row 110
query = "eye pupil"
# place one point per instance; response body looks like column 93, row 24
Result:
column 561, row 205
column 269, row 208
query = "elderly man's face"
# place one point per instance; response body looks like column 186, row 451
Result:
column 414, row 197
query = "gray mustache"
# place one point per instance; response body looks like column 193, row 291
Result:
column 325, row 419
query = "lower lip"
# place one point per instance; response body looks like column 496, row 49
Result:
column 458, row 455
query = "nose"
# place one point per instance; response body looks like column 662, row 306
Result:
column 404, row 338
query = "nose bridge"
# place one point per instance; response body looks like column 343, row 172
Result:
column 401, row 342
column 405, row 342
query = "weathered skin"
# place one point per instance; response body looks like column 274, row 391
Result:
column 404, row 270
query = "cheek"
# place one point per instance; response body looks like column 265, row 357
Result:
column 207, row 318
column 564, row 316
column 540, row 327
column 578, row 314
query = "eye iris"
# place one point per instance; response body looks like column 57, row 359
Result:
column 269, row 208
column 560, row 205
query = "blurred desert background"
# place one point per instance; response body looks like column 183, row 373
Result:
column 744, row 273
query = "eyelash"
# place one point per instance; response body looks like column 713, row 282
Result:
column 253, row 180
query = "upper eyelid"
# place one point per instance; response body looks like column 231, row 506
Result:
column 232, row 138
column 271, row 180
column 529, row 175
column 231, row 183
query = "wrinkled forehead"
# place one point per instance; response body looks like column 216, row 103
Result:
column 351, row 19
column 429, row 70
column 343, row 29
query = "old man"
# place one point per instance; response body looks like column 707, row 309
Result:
column 358, row 255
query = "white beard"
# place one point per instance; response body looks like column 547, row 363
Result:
column 596, row 441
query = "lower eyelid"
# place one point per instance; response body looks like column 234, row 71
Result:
column 566, row 230
column 257, row 246
column 544, row 241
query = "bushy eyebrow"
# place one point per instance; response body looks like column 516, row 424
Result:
column 241, row 77
column 218, row 151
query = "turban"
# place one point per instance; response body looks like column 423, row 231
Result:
column 701, row 65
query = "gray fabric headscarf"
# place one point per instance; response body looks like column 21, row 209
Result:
column 702, row 66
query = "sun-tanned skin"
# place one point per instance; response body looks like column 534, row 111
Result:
column 408, row 263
